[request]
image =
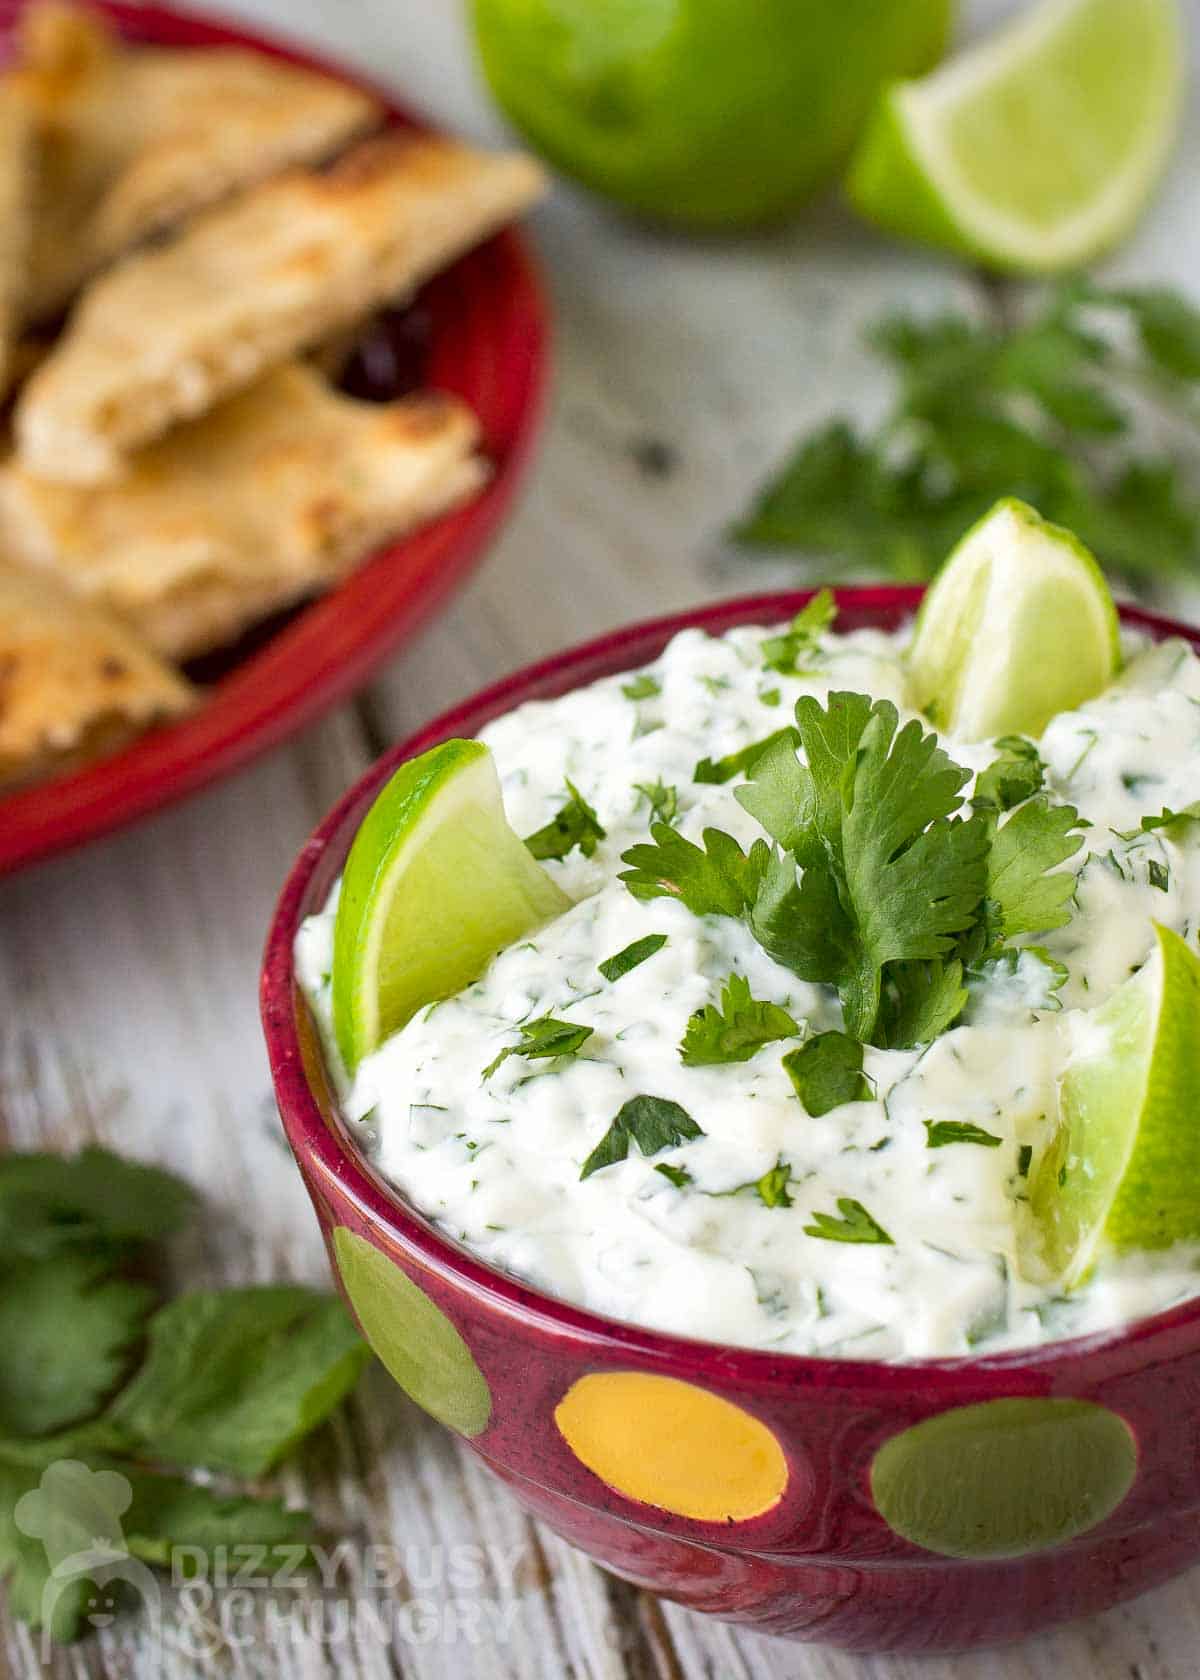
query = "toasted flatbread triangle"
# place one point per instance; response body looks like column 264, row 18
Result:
column 270, row 497
column 16, row 137
column 135, row 138
column 168, row 332
column 74, row 683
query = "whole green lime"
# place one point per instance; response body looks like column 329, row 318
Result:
column 709, row 113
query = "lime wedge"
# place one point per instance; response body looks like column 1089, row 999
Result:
column 436, row 883
column 1018, row 625
column 1037, row 149
column 1123, row 1171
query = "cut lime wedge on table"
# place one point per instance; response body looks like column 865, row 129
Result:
column 1018, row 625
column 1037, row 149
column 1123, row 1171
column 436, row 883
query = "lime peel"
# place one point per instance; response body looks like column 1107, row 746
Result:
column 1036, row 150
column 1018, row 626
column 435, row 884
column 1123, row 1169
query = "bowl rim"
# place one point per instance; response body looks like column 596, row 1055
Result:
column 325, row 1150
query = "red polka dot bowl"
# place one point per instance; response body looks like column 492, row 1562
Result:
column 924, row 1506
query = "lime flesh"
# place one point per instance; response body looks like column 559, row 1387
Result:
column 702, row 112
column 1018, row 625
column 436, row 883
column 1038, row 149
column 1123, row 1170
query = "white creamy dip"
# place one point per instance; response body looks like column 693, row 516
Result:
column 496, row 1162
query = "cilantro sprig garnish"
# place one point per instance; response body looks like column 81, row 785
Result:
column 651, row 1123
column 1047, row 408
column 736, row 1030
column 879, row 884
column 574, row 824
column 97, row 1375
column 542, row 1039
column 855, row 1225
column 889, row 873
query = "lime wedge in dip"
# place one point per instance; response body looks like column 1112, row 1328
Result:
column 1037, row 149
column 1123, row 1170
column 436, row 883
column 1018, row 625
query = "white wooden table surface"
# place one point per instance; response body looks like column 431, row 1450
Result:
column 128, row 971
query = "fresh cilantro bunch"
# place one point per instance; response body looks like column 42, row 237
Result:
column 879, row 883
column 1044, row 409
column 96, row 1371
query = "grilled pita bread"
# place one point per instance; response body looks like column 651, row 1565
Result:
column 15, row 160
column 271, row 497
column 168, row 332
column 135, row 138
column 74, row 683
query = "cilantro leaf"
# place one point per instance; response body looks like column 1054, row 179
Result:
column 1014, row 776
column 801, row 805
column 52, row 1202
column 720, row 880
column 234, row 1378
column 678, row 1176
column 66, row 1327
column 662, row 799
column 641, row 687
column 652, row 1123
column 542, row 1038
column 854, row 1226
column 1168, row 326
column 1023, row 896
column 715, row 771
column 826, row 1072
column 801, row 642
column 939, row 1133
column 803, row 923
column 737, row 1030
column 780, row 795
column 576, row 824
column 614, row 967
column 920, row 1001
column 772, row 1187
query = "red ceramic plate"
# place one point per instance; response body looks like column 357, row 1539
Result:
column 486, row 340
